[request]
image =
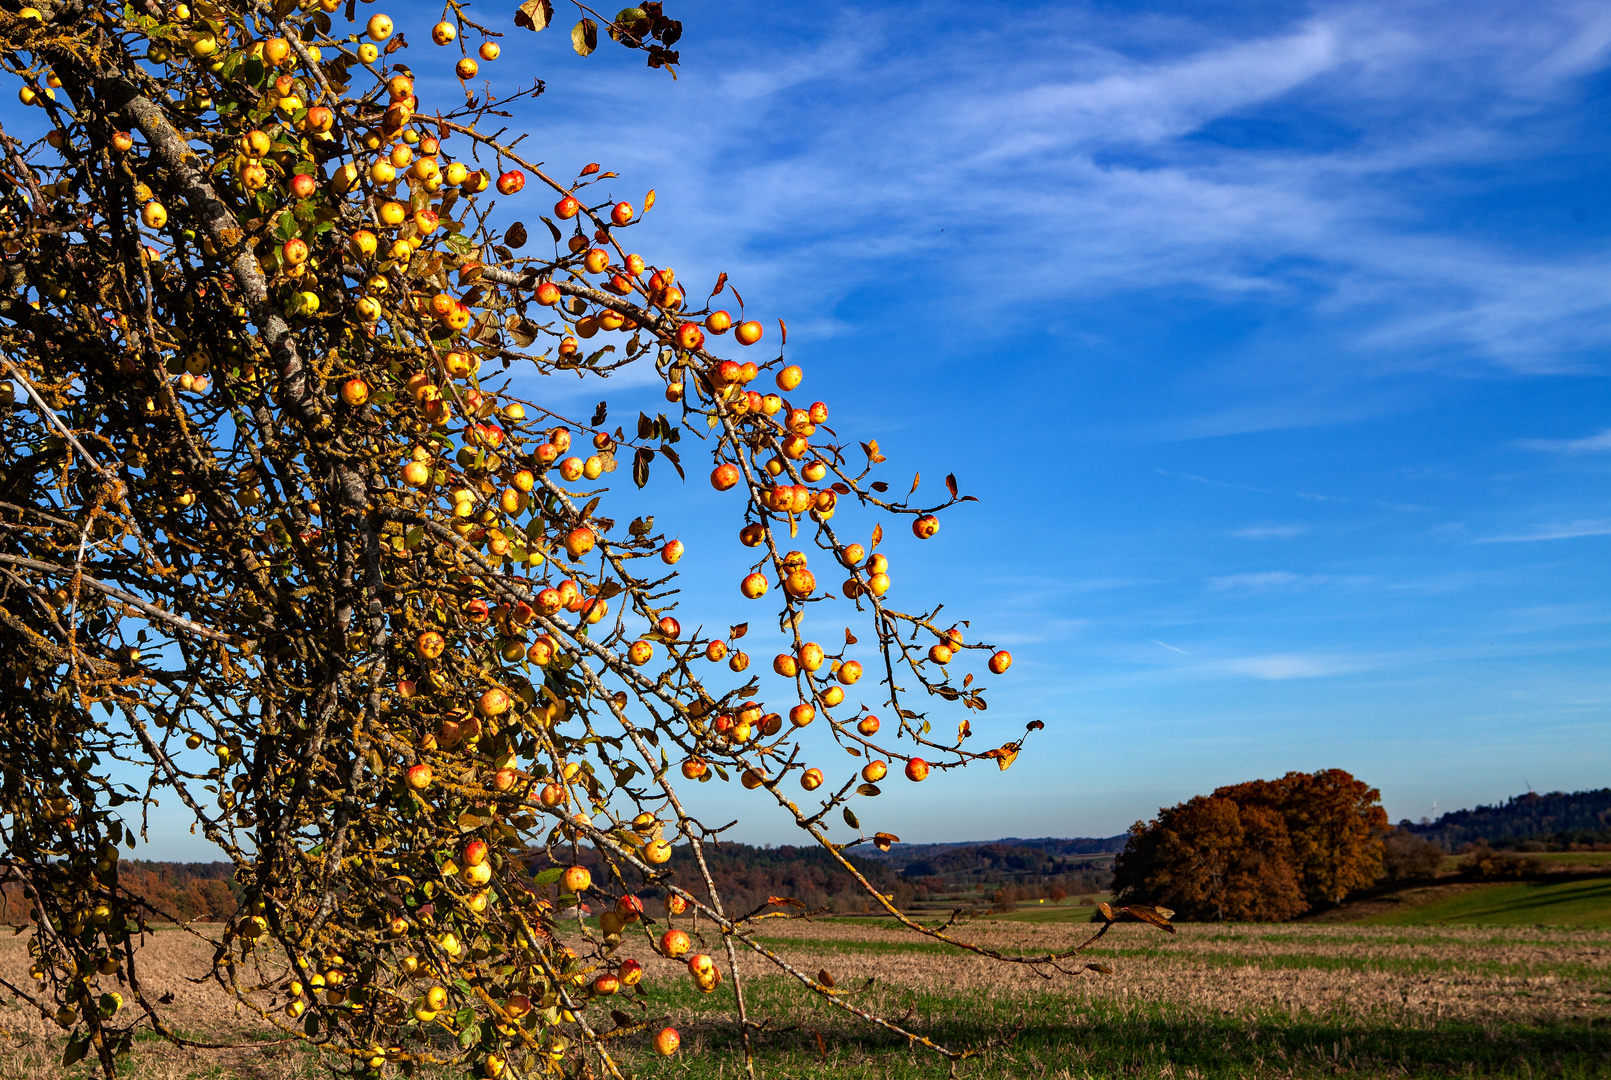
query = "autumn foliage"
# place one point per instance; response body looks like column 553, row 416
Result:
column 1265, row 851
column 283, row 545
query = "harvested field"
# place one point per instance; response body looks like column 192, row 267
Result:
column 1210, row 1001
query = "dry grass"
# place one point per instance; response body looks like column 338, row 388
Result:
column 1349, row 980
column 1436, row 973
column 169, row 963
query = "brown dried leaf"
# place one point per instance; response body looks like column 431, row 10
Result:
column 883, row 840
column 951, row 484
column 1150, row 915
column 589, row 169
column 534, row 14
column 825, row 979
column 916, row 478
column 721, row 282
column 878, row 534
column 736, row 632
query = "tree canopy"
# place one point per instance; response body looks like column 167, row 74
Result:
column 1266, row 850
column 280, row 544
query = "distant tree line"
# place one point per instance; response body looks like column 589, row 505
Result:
column 1008, row 873
column 1557, row 821
column 179, row 892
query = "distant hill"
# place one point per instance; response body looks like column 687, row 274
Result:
column 183, row 892
column 899, row 855
column 1555, row 820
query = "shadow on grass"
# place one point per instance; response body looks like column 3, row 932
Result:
column 1165, row 1043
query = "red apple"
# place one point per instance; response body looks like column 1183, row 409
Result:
column 690, row 336
column 511, row 182
column 675, row 943
column 580, row 540
column 916, row 770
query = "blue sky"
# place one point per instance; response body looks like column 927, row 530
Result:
column 1273, row 338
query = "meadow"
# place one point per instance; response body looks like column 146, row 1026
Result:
column 1212, row 1001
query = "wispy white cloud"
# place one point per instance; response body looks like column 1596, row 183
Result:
column 1592, row 444
column 1279, row 666
column 1170, row 647
column 1267, row 581
column 1569, row 531
column 1112, row 154
column 1269, row 530
column 1262, row 581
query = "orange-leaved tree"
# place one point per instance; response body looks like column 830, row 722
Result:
column 1265, row 850
column 1209, row 859
column 279, row 544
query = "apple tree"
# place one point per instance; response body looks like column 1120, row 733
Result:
column 281, row 546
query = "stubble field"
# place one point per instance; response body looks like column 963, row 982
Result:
column 1208, row 1002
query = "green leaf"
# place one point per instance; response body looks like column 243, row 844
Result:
column 549, row 876
column 850, row 819
column 75, row 1051
column 585, row 37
